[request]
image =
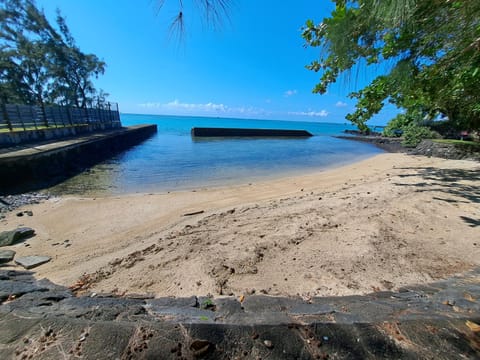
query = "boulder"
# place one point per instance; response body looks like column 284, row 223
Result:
column 13, row 236
column 6, row 256
column 29, row 262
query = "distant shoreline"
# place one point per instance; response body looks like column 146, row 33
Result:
column 393, row 145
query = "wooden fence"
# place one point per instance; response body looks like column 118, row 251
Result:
column 30, row 117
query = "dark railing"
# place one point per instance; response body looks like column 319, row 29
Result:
column 31, row 117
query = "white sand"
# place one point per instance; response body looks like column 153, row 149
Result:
column 382, row 223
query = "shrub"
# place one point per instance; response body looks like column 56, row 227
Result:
column 414, row 134
column 397, row 125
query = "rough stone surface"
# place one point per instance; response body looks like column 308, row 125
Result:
column 29, row 262
column 388, row 144
column 13, row 236
column 11, row 202
column 47, row 321
column 447, row 151
column 426, row 147
column 6, row 256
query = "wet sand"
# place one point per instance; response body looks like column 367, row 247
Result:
column 385, row 222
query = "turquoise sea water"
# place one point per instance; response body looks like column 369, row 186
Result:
column 172, row 160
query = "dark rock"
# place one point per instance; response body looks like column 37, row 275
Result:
column 16, row 275
column 12, row 288
column 39, row 302
column 226, row 307
column 104, row 309
column 11, row 202
column 44, row 321
column 180, row 313
column 6, row 256
column 13, row 236
column 189, row 302
column 447, row 151
column 200, row 347
column 30, row 262
column 384, row 143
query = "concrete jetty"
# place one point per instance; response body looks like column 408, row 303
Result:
column 234, row 132
column 29, row 167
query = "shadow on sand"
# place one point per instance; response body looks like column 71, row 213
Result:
column 462, row 186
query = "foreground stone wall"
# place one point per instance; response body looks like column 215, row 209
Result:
column 42, row 320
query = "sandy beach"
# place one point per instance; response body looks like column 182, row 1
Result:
column 386, row 222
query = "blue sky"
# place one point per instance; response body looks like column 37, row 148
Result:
column 253, row 67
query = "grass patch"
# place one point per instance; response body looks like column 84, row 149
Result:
column 39, row 127
column 465, row 143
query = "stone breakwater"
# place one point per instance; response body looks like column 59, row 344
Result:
column 42, row 320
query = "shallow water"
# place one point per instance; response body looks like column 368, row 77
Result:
column 173, row 160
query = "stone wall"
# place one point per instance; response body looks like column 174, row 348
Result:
column 13, row 138
column 42, row 320
column 447, row 151
column 41, row 167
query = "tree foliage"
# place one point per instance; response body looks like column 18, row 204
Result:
column 41, row 64
column 214, row 12
column 397, row 125
column 428, row 51
column 413, row 134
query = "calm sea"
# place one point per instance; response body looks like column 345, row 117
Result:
column 172, row 160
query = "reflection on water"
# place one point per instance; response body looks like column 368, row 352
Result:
column 172, row 160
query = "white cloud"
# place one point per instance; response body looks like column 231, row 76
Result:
column 289, row 93
column 178, row 107
column 321, row 113
column 150, row 105
column 340, row 104
column 176, row 104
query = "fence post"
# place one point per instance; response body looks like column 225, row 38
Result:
column 52, row 116
column 61, row 112
column 20, row 118
column 117, row 115
column 5, row 116
column 33, row 117
column 86, row 113
column 44, row 114
column 99, row 115
column 109, row 106
column 69, row 115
